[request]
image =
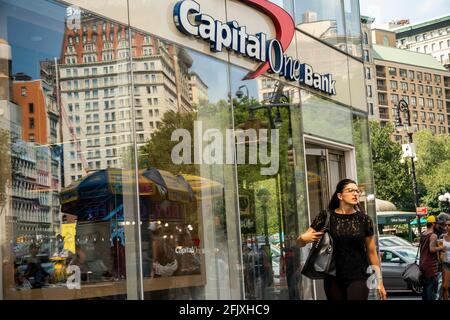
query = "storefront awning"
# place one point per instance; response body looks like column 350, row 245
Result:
column 423, row 221
column 395, row 217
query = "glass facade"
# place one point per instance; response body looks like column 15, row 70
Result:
column 140, row 165
column 334, row 22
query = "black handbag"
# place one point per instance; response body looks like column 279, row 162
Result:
column 412, row 273
column 320, row 261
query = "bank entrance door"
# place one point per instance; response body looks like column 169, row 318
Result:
column 325, row 167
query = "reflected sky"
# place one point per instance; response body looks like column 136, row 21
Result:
column 215, row 75
column 325, row 9
column 33, row 36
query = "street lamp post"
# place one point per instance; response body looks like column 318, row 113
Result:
column 409, row 149
column 264, row 196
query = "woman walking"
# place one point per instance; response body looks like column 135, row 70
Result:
column 354, row 245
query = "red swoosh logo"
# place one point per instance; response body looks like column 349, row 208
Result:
column 284, row 27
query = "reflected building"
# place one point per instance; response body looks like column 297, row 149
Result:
column 33, row 171
column 327, row 30
column 10, row 132
column 36, row 160
column 268, row 88
column 96, row 91
column 198, row 90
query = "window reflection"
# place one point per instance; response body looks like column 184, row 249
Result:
column 333, row 22
column 353, row 27
column 185, row 222
column 322, row 19
column 268, row 210
column 66, row 223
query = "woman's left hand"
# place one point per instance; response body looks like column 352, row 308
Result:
column 382, row 292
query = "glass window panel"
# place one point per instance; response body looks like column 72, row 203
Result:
column 334, row 122
column 270, row 211
column 322, row 19
column 70, row 239
column 353, row 28
column 188, row 206
column 361, row 141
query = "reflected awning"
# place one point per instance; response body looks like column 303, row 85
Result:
column 102, row 184
column 203, row 187
column 168, row 185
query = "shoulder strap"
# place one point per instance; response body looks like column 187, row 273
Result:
column 327, row 221
column 422, row 243
column 417, row 254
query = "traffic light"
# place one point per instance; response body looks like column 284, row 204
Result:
column 291, row 156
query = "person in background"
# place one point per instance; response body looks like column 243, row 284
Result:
column 118, row 257
column 440, row 232
column 445, row 254
column 34, row 272
column 429, row 260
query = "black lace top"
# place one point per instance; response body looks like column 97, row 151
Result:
column 348, row 232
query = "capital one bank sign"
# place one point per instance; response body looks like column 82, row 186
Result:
column 190, row 20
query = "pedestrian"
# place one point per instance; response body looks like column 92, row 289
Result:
column 118, row 258
column 446, row 261
column 354, row 245
column 428, row 263
column 440, row 232
column 35, row 273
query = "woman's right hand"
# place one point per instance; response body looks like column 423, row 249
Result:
column 309, row 236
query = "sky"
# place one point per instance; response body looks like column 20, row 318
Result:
column 415, row 10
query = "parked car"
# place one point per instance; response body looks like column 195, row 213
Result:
column 389, row 240
column 394, row 260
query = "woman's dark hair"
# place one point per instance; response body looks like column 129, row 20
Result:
column 334, row 202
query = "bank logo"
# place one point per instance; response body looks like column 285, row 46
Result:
column 284, row 28
column 189, row 20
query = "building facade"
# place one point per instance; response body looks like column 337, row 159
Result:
column 430, row 37
column 419, row 80
column 190, row 159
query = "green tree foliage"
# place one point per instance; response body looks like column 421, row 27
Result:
column 433, row 152
column 157, row 152
column 392, row 179
column 158, row 149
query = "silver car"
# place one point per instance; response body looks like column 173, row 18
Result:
column 394, row 261
column 388, row 240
